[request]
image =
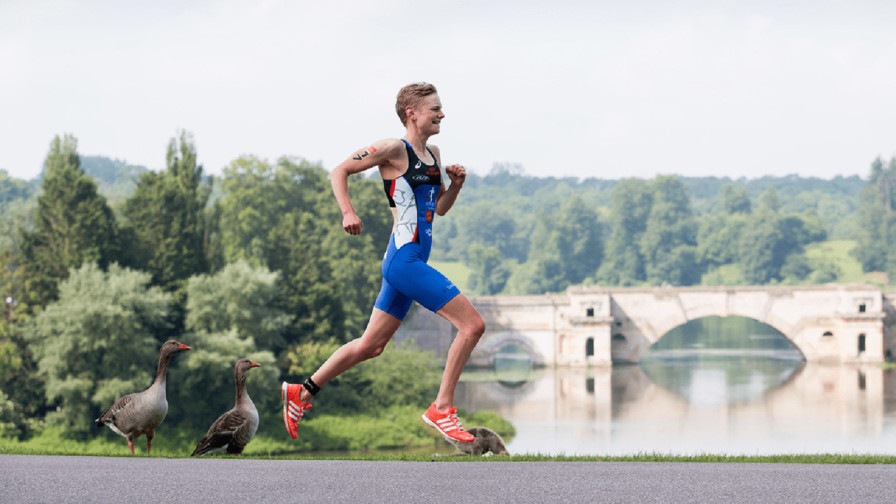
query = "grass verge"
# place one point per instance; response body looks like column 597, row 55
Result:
column 448, row 456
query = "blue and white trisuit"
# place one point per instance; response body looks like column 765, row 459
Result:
column 406, row 276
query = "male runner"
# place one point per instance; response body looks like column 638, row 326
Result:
column 416, row 191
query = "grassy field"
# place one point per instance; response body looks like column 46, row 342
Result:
column 457, row 272
column 838, row 252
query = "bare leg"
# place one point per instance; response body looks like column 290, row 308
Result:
column 131, row 445
column 148, row 443
column 460, row 312
column 380, row 329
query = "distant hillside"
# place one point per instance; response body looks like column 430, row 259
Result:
column 116, row 179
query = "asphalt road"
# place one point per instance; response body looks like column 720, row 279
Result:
column 28, row 478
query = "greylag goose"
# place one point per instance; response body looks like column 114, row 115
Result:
column 233, row 430
column 141, row 412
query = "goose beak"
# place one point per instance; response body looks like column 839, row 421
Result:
column 184, row 347
column 254, row 364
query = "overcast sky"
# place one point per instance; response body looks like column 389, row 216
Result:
column 563, row 88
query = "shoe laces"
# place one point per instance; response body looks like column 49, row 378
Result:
column 457, row 422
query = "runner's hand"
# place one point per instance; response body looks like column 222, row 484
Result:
column 351, row 224
column 457, row 174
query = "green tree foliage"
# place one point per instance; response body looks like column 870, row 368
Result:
column 770, row 239
column 12, row 189
column 876, row 232
column 256, row 195
column 736, row 199
column 490, row 270
column 482, row 224
column 566, row 248
column 115, row 178
column 669, row 242
column 97, row 342
column 630, row 206
column 284, row 217
column 309, row 290
column 230, row 315
column 73, row 225
column 167, row 218
column 718, row 239
column 15, row 216
column 21, row 389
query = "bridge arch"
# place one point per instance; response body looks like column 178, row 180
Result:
column 489, row 347
column 715, row 333
column 825, row 323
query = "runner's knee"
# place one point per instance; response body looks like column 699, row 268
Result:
column 473, row 330
column 370, row 350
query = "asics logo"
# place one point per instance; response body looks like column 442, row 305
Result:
column 418, row 165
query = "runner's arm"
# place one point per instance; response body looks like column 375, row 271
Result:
column 378, row 154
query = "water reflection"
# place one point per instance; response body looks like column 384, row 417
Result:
column 723, row 404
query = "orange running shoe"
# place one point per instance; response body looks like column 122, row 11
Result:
column 293, row 409
column 447, row 424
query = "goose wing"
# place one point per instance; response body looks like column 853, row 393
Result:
column 109, row 416
column 230, row 432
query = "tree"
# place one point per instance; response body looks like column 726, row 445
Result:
column 668, row 244
column 230, row 315
column 630, row 205
column 256, row 195
column 308, row 289
column 12, row 189
column 736, row 199
column 284, row 217
column 489, row 271
column 97, row 342
column 167, row 217
column 566, row 247
column 718, row 238
column 21, row 387
column 761, row 253
column 877, row 219
column 484, row 224
column 73, row 225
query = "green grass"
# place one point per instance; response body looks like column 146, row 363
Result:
column 839, row 252
column 457, row 272
column 445, row 455
column 168, row 444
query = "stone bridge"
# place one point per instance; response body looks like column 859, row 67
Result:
column 839, row 323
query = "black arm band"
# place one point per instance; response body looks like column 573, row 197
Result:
column 311, row 387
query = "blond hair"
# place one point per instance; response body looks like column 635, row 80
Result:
column 410, row 96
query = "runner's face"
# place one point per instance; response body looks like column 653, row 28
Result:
column 428, row 114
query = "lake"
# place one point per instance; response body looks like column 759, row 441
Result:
column 691, row 401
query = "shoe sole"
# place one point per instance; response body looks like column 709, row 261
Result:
column 436, row 427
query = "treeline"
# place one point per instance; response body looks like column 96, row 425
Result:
column 523, row 235
column 101, row 268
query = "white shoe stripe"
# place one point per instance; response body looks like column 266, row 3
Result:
column 294, row 416
column 294, row 410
